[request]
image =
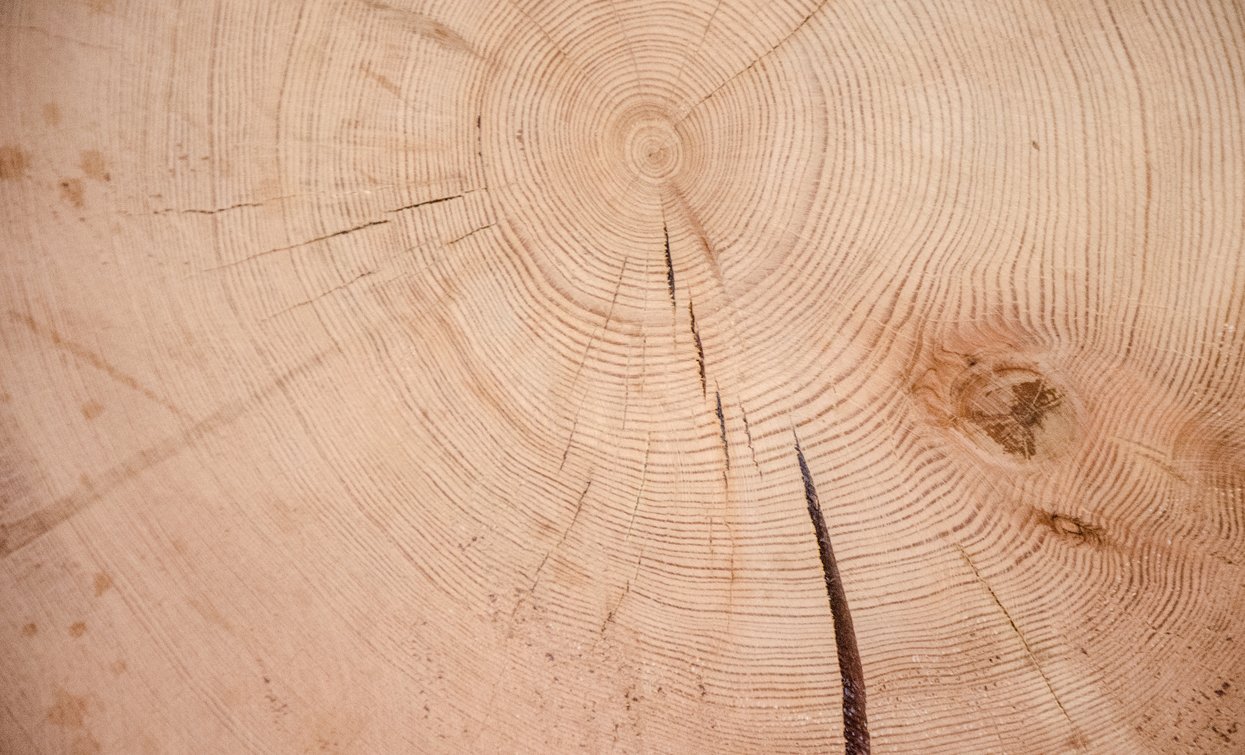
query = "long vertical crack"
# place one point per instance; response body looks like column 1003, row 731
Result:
column 855, row 725
column 726, row 450
column 669, row 265
column 700, row 348
column 748, row 434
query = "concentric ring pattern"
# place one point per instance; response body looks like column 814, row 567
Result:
column 636, row 375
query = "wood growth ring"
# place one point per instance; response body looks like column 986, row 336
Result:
column 622, row 375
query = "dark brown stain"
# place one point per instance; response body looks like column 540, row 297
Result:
column 1015, row 428
column 449, row 38
column 384, row 81
column 69, row 711
column 1077, row 742
column 996, row 387
column 1071, row 527
column 77, row 629
column 51, row 114
column 101, row 6
column 279, row 707
column 92, row 164
column 72, row 192
column 103, row 583
column 92, row 409
column 424, row 26
column 13, row 163
column 207, row 609
column 1226, row 732
column 851, row 671
column 30, row 630
column 1034, row 144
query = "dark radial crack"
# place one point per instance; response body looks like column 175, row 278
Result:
column 743, row 413
column 309, row 242
column 700, row 348
column 480, row 139
column 855, row 725
column 669, row 265
column 472, row 232
column 426, row 202
column 758, row 59
column 197, row 211
column 540, row 568
column 717, row 395
column 318, row 297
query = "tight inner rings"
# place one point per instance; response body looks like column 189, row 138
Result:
column 651, row 146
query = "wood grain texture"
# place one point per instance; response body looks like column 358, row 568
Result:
column 426, row 375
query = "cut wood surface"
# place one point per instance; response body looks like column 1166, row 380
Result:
column 622, row 375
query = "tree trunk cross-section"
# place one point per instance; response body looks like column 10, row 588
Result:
column 622, row 376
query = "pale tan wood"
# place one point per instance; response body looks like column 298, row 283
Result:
column 417, row 375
